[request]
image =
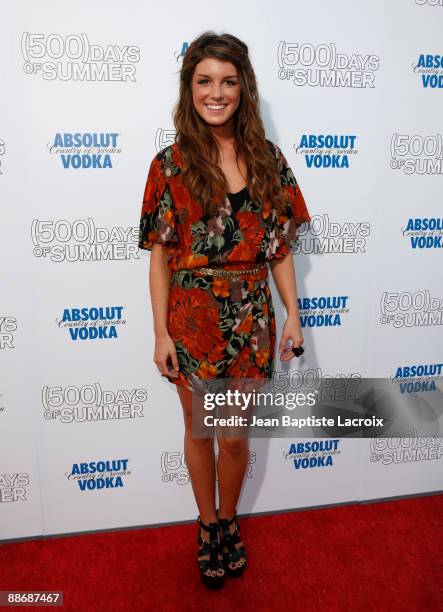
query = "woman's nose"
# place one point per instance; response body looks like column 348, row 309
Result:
column 216, row 92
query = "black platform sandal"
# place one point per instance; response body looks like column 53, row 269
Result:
column 212, row 571
column 230, row 549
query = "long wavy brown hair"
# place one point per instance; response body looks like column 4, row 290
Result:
column 198, row 148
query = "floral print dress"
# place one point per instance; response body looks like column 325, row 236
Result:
column 221, row 327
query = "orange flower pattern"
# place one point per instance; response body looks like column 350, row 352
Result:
column 221, row 327
column 172, row 217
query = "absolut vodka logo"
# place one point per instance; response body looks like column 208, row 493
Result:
column 8, row 327
column 85, row 150
column 180, row 54
column 430, row 70
column 323, row 311
column 91, row 402
column 323, row 66
column 75, row 58
column 411, row 309
column 97, row 475
column 82, row 240
column 424, row 232
column 327, row 150
column 92, row 322
column 417, row 154
column 310, row 454
column 418, row 378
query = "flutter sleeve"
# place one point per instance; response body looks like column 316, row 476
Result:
column 157, row 220
column 295, row 212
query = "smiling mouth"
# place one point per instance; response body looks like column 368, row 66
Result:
column 216, row 107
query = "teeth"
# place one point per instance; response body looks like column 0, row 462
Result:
column 215, row 106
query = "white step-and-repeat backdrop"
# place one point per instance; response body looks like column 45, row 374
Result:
column 91, row 436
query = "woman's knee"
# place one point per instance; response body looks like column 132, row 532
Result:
column 197, row 441
column 232, row 445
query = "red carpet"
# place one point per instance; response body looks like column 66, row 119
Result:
column 376, row 557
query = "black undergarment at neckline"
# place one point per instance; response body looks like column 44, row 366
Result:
column 238, row 192
column 237, row 199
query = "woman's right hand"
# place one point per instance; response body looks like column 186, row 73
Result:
column 165, row 351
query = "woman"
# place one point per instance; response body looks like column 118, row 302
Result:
column 219, row 204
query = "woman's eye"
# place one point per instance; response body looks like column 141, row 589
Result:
column 202, row 81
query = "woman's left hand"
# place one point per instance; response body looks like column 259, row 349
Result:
column 291, row 331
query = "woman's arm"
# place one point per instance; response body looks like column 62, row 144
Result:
column 283, row 272
column 159, row 279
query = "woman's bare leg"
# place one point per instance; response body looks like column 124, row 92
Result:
column 232, row 462
column 200, row 459
column 231, row 467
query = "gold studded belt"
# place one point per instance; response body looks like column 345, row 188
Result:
column 231, row 273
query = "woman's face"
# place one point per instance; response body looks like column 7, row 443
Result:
column 216, row 90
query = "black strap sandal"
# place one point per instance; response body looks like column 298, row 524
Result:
column 212, row 571
column 232, row 554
